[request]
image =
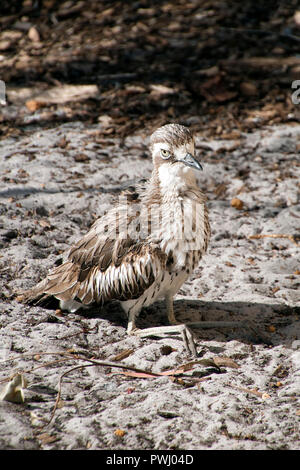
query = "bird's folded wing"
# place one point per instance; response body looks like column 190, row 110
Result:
column 101, row 268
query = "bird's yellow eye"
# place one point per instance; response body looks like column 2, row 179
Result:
column 165, row 153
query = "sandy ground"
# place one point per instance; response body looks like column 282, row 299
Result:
column 53, row 185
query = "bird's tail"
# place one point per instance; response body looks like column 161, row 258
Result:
column 58, row 285
column 36, row 295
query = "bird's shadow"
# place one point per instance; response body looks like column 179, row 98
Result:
column 274, row 323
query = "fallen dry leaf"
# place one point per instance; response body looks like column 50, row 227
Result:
column 66, row 93
column 265, row 396
column 230, row 265
column 60, row 404
column 221, row 190
column 184, row 382
column 46, row 438
column 44, row 223
column 237, row 203
column 119, row 432
column 297, row 17
column 34, row 105
column 105, row 120
column 159, row 90
column 33, row 34
column 141, row 375
column 180, row 369
column 274, row 235
column 224, row 361
column 234, row 134
column 248, row 89
column 123, row 355
column 36, row 420
column 276, row 289
column 13, row 391
column 135, row 89
column 59, row 312
column 254, row 391
column 81, row 157
column 216, row 362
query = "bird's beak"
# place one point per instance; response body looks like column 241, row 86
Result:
column 189, row 160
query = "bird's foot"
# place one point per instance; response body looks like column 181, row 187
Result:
column 186, row 334
column 173, row 321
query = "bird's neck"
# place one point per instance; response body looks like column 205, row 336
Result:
column 177, row 207
column 171, row 191
column 175, row 180
column 169, row 182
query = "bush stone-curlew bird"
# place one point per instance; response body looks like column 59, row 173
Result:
column 145, row 247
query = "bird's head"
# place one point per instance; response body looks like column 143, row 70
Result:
column 173, row 148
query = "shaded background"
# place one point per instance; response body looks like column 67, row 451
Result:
column 214, row 65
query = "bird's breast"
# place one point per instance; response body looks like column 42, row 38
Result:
column 183, row 232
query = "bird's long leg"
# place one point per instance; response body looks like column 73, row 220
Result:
column 170, row 310
column 132, row 313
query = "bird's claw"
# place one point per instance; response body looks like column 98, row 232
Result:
column 186, row 334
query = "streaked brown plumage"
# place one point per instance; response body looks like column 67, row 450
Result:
column 145, row 247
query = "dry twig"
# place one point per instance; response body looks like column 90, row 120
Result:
column 274, row 235
column 128, row 370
